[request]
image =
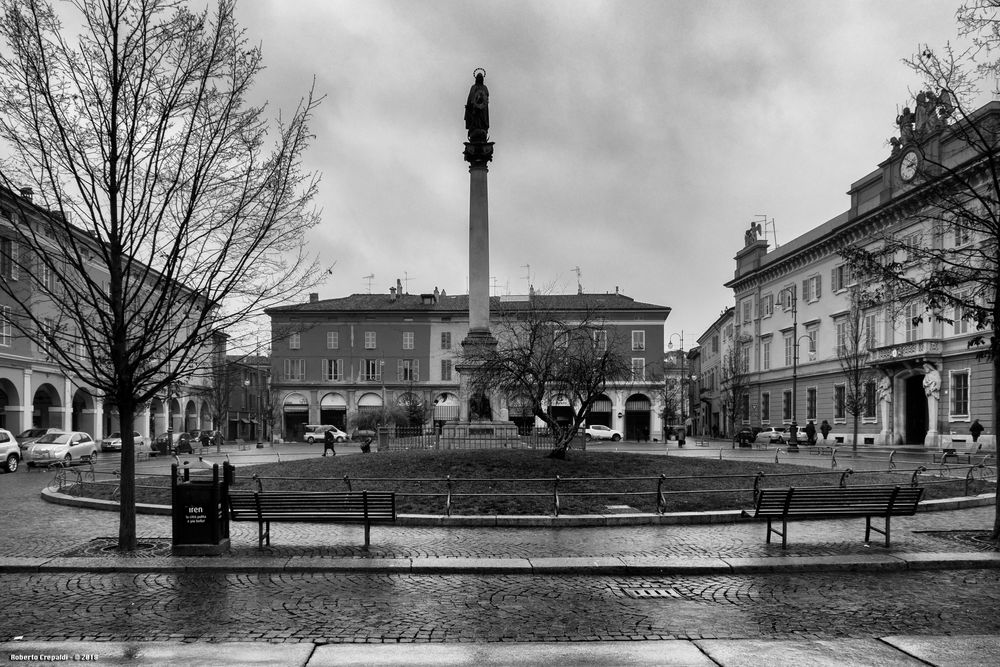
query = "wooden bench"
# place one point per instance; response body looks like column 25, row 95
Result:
column 828, row 502
column 365, row 507
column 946, row 453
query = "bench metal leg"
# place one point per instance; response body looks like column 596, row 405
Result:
column 367, row 534
column 782, row 532
column 263, row 533
column 869, row 528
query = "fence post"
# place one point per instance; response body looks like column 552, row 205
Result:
column 661, row 501
column 347, row 481
column 777, row 450
column 555, row 495
column 892, row 464
column 833, row 459
column 447, row 500
column 916, row 473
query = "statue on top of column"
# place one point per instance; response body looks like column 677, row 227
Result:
column 477, row 109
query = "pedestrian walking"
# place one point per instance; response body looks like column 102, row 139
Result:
column 976, row 429
column 824, row 428
column 810, row 433
column 205, row 440
column 328, row 440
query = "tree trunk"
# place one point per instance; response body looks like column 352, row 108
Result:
column 558, row 453
column 996, row 414
column 854, row 444
column 127, row 540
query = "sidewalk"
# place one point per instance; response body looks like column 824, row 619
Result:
column 966, row 651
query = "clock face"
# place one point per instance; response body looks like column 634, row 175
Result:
column 908, row 166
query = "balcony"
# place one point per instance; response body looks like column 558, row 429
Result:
column 912, row 351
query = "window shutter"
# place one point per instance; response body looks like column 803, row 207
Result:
column 399, row 370
column 833, row 279
column 817, row 282
column 13, row 260
column 805, row 290
column 416, row 370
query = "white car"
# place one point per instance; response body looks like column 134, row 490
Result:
column 10, row 453
column 772, row 436
column 599, row 432
column 113, row 442
column 63, row 448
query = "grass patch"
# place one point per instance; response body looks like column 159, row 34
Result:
column 521, row 481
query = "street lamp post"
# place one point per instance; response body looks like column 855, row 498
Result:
column 260, row 417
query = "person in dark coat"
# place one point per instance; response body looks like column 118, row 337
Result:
column 328, row 440
column 205, row 440
column 824, row 428
column 976, row 430
column 810, row 433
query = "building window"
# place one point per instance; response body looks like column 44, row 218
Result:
column 765, row 407
column 5, row 330
column 871, row 395
column 811, row 403
column 373, row 370
column 745, row 358
column 332, row 340
column 8, row 259
column 638, row 340
column 842, row 278
column 911, row 321
column 767, row 306
column 811, row 289
column 408, row 370
column 786, row 406
column 601, row 340
column 294, row 342
column 715, row 344
column 963, row 235
column 445, row 340
column 638, row 368
column 963, row 315
column 747, row 311
column 789, row 351
column 842, row 337
column 407, row 340
column 369, row 340
column 960, row 394
column 765, row 355
column 295, row 369
column 745, row 407
column 446, row 370
column 839, row 402
column 333, row 369
column 871, row 331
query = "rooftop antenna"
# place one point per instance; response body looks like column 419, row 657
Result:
column 406, row 281
column 766, row 223
column 527, row 277
column 370, row 277
column 579, row 287
column 496, row 283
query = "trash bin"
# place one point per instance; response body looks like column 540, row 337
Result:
column 200, row 521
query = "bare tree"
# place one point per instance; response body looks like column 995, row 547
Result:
column 735, row 381
column 853, row 339
column 951, row 269
column 544, row 353
column 166, row 207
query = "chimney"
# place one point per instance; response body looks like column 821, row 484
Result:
column 313, row 297
column 392, row 294
column 27, row 193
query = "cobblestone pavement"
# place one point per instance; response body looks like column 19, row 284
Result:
column 328, row 607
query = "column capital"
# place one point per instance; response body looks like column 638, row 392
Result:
column 478, row 153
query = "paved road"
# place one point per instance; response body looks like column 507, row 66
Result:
column 777, row 617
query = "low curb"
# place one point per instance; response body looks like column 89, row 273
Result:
column 537, row 521
column 603, row 565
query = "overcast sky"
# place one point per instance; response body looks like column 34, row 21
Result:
column 634, row 140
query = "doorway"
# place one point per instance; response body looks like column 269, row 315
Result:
column 916, row 421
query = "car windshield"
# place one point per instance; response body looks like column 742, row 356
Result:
column 58, row 438
column 32, row 433
column 116, row 434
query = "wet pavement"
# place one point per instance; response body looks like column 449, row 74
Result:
column 645, row 594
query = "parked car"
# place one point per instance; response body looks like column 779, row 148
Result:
column 601, row 432
column 113, row 442
column 744, row 437
column 64, row 448
column 772, row 435
column 316, row 433
column 28, row 437
column 178, row 442
column 196, row 437
column 10, row 453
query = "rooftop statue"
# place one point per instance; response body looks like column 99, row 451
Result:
column 477, row 109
